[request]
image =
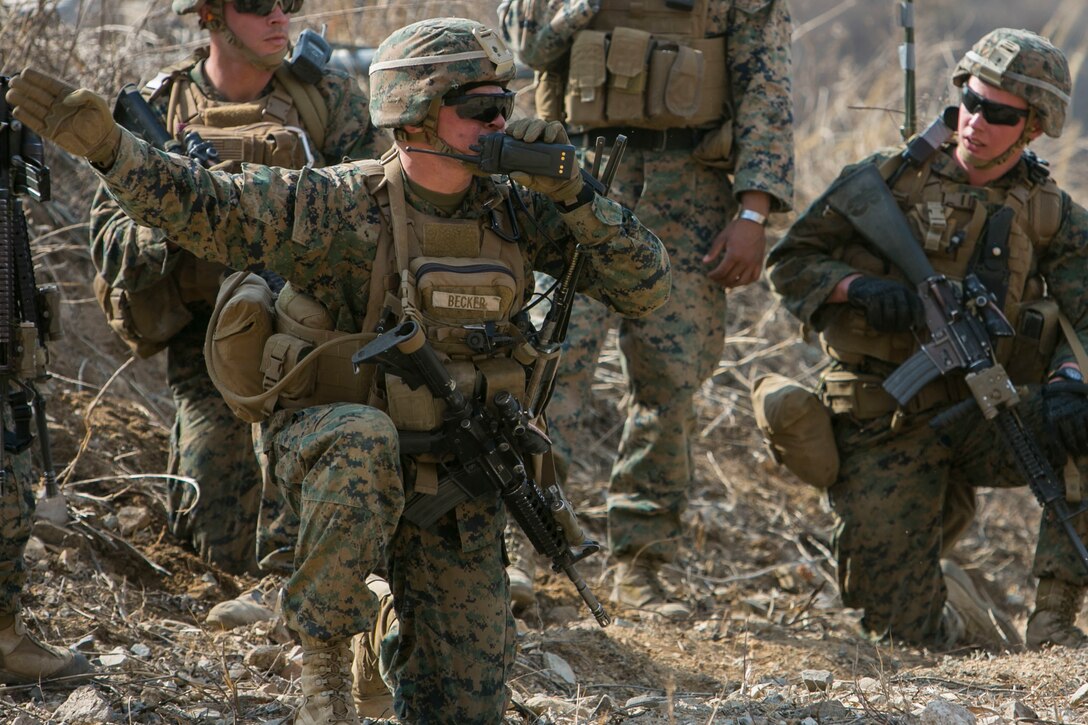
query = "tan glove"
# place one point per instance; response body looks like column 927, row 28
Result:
column 79, row 121
column 530, row 130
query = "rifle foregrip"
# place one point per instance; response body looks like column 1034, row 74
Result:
column 910, row 377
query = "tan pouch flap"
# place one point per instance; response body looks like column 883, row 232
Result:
column 685, row 80
column 242, row 326
column 627, row 57
column 587, row 64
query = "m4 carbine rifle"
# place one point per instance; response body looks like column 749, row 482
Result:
column 133, row 112
column 961, row 327
column 29, row 315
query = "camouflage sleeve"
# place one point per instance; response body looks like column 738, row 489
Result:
column 627, row 267
column 802, row 267
column 127, row 255
column 262, row 218
column 349, row 133
column 540, row 32
column 1065, row 267
column 758, row 43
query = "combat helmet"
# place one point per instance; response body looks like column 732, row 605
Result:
column 1026, row 65
column 420, row 63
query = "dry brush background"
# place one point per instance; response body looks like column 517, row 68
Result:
column 755, row 564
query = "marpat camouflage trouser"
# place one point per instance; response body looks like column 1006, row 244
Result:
column 16, row 511
column 901, row 498
column 666, row 355
column 339, row 468
column 214, row 447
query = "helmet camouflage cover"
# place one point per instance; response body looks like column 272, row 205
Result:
column 424, row 61
column 1026, row 65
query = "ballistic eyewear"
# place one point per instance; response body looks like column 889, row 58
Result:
column 482, row 107
column 997, row 114
column 264, row 7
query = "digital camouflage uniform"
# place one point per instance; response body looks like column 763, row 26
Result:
column 338, row 464
column 905, row 491
column 208, row 443
column 16, row 512
column 668, row 355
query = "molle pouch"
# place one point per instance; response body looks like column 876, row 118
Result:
column 502, row 375
column 1037, row 333
column 797, row 428
column 282, row 354
column 715, row 149
column 418, row 410
column 856, row 394
column 585, row 81
column 145, row 319
column 240, row 329
column 628, row 55
column 674, row 83
column 458, row 291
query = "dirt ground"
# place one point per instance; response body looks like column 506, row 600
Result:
column 769, row 640
column 755, row 567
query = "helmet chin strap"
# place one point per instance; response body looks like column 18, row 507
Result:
column 1013, row 151
column 215, row 21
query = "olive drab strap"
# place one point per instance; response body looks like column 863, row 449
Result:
column 310, row 105
column 1074, row 480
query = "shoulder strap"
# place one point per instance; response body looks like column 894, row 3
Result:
column 310, row 105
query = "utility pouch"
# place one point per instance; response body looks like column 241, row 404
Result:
column 240, row 329
column 856, row 394
column 282, row 353
column 418, row 410
column 715, row 149
column 675, row 83
column 146, row 319
column 1037, row 333
column 797, row 429
column 628, row 54
column 457, row 291
column 585, row 87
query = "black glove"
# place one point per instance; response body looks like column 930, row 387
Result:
column 1066, row 408
column 889, row 306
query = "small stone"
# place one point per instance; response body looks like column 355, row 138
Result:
column 131, row 519
column 1080, row 696
column 943, row 712
column 649, row 702
column 141, row 650
column 1017, row 711
column 817, row 680
column 266, row 657
column 85, row 706
column 114, row 658
column 560, row 667
column 868, row 684
column 809, row 721
column 541, row 705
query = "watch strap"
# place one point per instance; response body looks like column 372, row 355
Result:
column 753, row 216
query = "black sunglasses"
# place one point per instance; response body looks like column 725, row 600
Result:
column 482, row 107
column 998, row 114
column 264, row 7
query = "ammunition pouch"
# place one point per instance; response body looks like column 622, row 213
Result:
column 629, row 77
column 862, row 396
column 797, row 429
column 1031, row 349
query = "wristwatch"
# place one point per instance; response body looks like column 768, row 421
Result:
column 1069, row 373
column 751, row 215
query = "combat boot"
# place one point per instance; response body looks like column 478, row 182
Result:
column 983, row 622
column 25, row 660
column 1057, row 604
column 371, row 694
column 326, row 683
column 638, row 587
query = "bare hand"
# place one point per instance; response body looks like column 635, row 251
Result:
column 744, row 244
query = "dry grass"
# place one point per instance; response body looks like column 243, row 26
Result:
column 755, row 566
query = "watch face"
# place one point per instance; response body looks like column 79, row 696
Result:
column 1071, row 374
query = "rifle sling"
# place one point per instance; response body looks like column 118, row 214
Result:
column 991, row 262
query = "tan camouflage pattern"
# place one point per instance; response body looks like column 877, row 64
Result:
column 16, row 512
column 338, row 465
column 901, row 498
column 402, row 96
column 1037, row 59
column 668, row 355
column 208, row 443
